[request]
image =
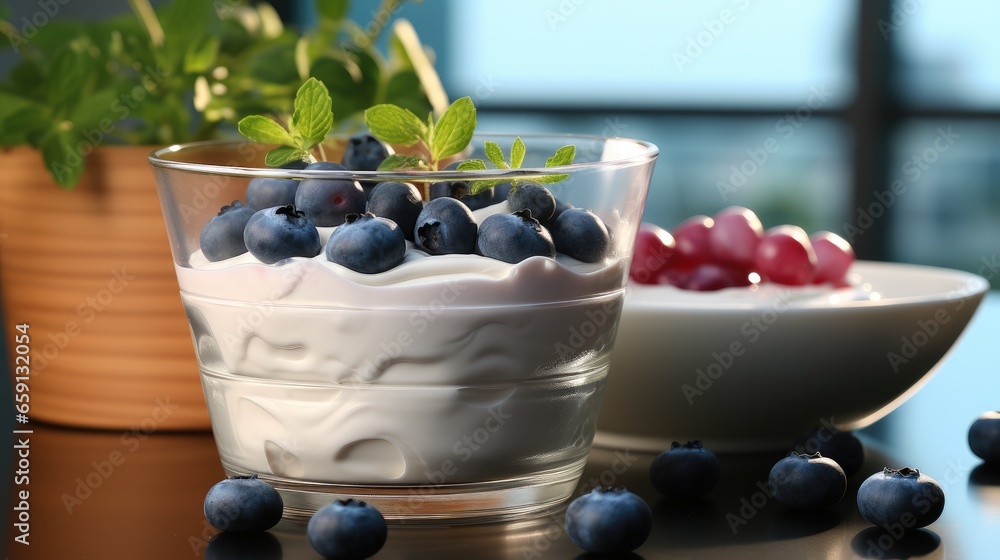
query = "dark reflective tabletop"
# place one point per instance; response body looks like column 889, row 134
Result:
column 121, row 495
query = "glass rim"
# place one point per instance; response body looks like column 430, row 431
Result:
column 647, row 152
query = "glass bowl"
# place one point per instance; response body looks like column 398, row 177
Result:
column 450, row 387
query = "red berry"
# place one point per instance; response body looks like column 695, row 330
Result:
column 734, row 238
column 785, row 256
column 708, row 277
column 691, row 237
column 834, row 256
column 654, row 250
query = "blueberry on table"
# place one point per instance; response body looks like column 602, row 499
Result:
column 609, row 520
column 900, row 499
column 446, row 226
column 532, row 196
column 685, row 471
column 347, row 530
column 364, row 152
column 581, row 234
column 327, row 202
column 222, row 236
column 841, row 446
column 807, row 481
column 514, row 237
column 279, row 233
column 265, row 192
column 366, row 243
column 984, row 437
column 243, row 504
column 399, row 202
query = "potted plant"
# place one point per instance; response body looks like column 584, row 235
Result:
column 84, row 257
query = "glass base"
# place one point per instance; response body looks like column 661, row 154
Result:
column 445, row 504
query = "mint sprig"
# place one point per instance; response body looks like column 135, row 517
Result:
column 438, row 140
column 312, row 119
column 493, row 151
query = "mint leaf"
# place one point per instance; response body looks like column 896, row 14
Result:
column 495, row 154
column 517, row 152
column 481, row 185
column 201, row 56
column 395, row 125
column 66, row 75
column 63, row 162
column 262, row 129
column 313, row 114
column 397, row 161
column 333, row 10
column 284, row 154
column 563, row 156
column 454, row 129
column 472, row 165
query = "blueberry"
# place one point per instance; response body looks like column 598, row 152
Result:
column 501, row 192
column 278, row 233
column 984, row 437
column 243, row 504
column 841, row 446
column 222, row 236
column 560, row 208
column 446, row 226
column 685, row 471
column 364, row 152
column 514, row 237
column 366, row 244
column 327, row 202
column 900, row 499
column 399, row 202
column 807, row 481
column 266, row 192
column 453, row 189
column 347, row 530
column 609, row 520
column 534, row 197
column 581, row 234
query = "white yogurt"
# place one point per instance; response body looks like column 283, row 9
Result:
column 445, row 369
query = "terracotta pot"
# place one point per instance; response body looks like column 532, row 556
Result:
column 90, row 271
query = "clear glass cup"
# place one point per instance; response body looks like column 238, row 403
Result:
column 449, row 388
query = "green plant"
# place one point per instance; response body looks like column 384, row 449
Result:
column 188, row 71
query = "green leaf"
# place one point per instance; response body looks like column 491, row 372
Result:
column 563, row 156
column 454, row 129
column 479, row 186
column 333, row 10
column 404, row 89
column 262, row 129
column 472, row 165
column 395, row 125
column 549, row 179
column 200, row 56
column 185, row 23
column 95, row 108
column 284, row 154
column 397, row 161
column 313, row 115
column 62, row 160
column 517, row 152
column 67, row 75
column 24, row 126
column 495, row 154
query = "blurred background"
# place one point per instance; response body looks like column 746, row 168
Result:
column 877, row 120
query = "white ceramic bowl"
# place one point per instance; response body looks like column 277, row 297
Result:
column 746, row 369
